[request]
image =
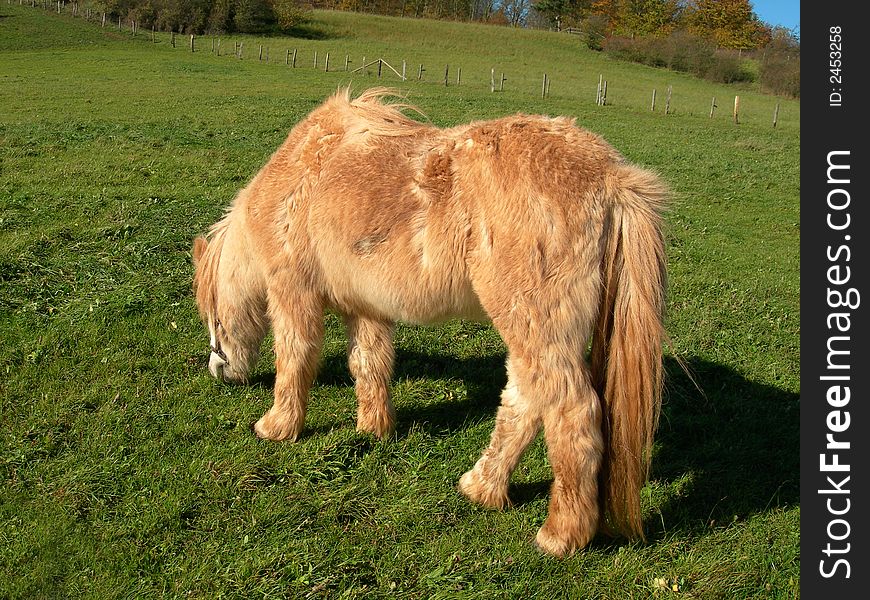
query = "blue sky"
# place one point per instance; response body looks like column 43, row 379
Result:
column 779, row 12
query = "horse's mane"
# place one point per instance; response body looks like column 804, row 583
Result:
column 371, row 113
column 205, row 278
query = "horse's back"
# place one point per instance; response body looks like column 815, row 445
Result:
column 390, row 232
column 411, row 226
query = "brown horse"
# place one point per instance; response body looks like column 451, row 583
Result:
column 528, row 221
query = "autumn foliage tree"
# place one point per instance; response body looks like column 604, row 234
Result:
column 730, row 23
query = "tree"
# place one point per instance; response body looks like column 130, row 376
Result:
column 780, row 69
column 253, row 16
column 646, row 17
column 730, row 23
column 288, row 13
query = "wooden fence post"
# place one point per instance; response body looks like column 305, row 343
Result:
column 404, row 65
column 652, row 106
column 420, row 74
column 446, row 74
column 501, row 86
column 712, row 106
column 380, row 66
column 315, row 59
column 294, row 58
column 668, row 101
column 775, row 114
column 458, row 75
column 191, row 42
column 544, row 87
column 736, row 110
column 492, row 80
column 326, row 66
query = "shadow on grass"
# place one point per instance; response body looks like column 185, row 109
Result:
column 726, row 454
column 307, row 30
column 483, row 377
column 735, row 451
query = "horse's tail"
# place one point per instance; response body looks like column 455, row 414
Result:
column 627, row 344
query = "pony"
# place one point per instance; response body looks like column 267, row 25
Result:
column 529, row 222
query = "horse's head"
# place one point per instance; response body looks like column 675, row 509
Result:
column 231, row 309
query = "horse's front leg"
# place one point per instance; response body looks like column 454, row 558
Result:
column 297, row 326
column 370, row 358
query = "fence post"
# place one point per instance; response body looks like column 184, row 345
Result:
column 326, row 66
column 598, row 92
column 736, row 110
column 346, row 62
column 652, row 106
column 446, row 73
column 775, row 114
column 315, row 59
column 380, row 66
column 420, row 74
column 458, row 75
column 712, row 106
column 492, row 80
column 503, row 79
column 294, row 58
column 404, row 65
column 260, row 52
column 544, row 87
column 668, row 101
column 191, row 42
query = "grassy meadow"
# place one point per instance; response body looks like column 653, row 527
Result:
column 126, row 471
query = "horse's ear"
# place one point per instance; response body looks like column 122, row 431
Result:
column 199, row 247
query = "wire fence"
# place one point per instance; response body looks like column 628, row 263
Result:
column 374, row 67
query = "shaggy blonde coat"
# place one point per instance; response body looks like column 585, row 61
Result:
column 528, row 221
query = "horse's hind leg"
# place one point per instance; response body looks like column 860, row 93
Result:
column 516, row 425
column 297, row 325
column 546, row 331
column 572, row 431
column 370, row 358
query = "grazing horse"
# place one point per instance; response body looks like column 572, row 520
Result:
column 529, row 222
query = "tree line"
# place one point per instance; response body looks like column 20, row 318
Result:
column 728, row 23
column 209, row 16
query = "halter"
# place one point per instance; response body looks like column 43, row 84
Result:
column 216, row 347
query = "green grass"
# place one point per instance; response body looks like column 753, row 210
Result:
column 128, row 472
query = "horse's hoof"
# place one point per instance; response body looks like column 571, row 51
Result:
column 475, row 489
